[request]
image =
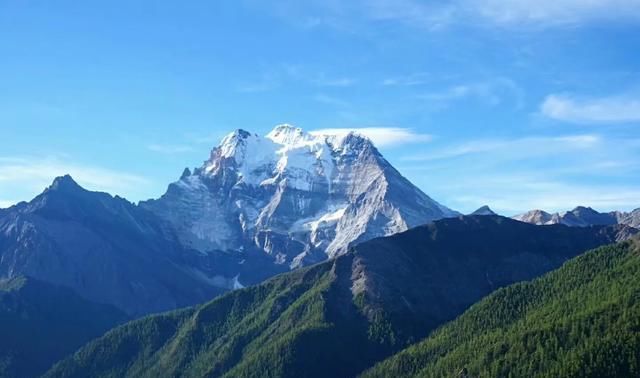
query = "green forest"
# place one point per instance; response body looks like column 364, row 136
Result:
column 582, row 320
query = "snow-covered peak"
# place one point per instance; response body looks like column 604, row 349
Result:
column 298, row 196
column 235, row 142
column 241, row 151
column 290, row 136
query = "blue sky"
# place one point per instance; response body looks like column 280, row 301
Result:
column 519, row 105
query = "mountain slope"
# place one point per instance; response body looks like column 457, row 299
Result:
column 41, row 323
column 293, row 197
column 104, row 248
column 582, row 320
column 339, row 317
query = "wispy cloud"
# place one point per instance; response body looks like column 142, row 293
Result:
column 554, row 12
column 492, row 91
column 330, row 100
column 322, row 81
column 517, row 174
column 517, row 194
column 281, row 75
column 418, row 78
column 25, row 177
column 380, row 136
column 436, row 15
column 616, row 109
column 169, row 149
column 256, row 87
column 513, row 148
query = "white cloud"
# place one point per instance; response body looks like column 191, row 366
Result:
column 616, row 109
column 25, row 177
column 169, row 149
column 380, row 136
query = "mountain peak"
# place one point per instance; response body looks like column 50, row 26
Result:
column 290, row 135
column 284, row 129
column 234, row 137
column 484, row 210
column 65, row 183
column 233, row 143
column 330, row 189
column 185, row 173
column 586, row 209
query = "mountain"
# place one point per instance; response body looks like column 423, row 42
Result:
column 41, row 323
column 484, row 210
column 581, row 217
column 339, row 317
column 294, row 197
column 582, row 320
column 104, row 248
column 631, row 218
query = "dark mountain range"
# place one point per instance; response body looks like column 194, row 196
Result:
column 582, row 320
column 339, row 317
column 104, row 248
column 41, row 323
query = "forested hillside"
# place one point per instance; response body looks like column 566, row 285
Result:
column 582, row 320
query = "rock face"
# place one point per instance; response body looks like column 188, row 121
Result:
column 294, row 197
column 104, row 248
column 581, row 217
column 630, row 219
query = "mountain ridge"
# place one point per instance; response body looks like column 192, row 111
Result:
column 104, row 248
column 340, row 316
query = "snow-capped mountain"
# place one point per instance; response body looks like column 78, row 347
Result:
column 581, row 217
column 295, row 196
